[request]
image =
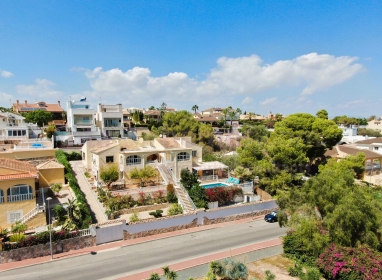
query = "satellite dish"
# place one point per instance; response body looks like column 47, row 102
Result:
column 83, row 99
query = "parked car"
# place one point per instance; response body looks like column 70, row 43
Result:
column 271, row 217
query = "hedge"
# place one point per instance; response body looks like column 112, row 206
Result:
column 83, row 204
column 40, row 238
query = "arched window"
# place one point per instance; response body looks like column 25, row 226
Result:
column 1, row 196
column 19, row 192
column 133, row 160
column 183, row 156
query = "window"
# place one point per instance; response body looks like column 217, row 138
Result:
column 19, row 193
column 13, row 216
column 109, row 159
column 183, row 156
column 376, row 148
column 194, row 153
column 1, row 196
column 133, row 160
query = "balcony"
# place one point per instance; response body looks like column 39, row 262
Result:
column 20, row 197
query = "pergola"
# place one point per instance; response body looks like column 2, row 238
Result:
column 211, row 165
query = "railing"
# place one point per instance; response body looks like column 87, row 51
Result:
column 20, row 197
column 246, row 186
column 1, row 199
column 159, row 167
column 31, row 214
column 84, row 232
column 170, row 172
column 188, row 197
column 209, row 178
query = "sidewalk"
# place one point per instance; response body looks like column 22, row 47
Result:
column 91, row 198
column 123, row 243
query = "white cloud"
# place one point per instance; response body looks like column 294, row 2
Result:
column 242, row 75
column 5, row 97
column 246, row 101
column 42, row 88
column 352, row 104
column 269, row 101
column 6, row 74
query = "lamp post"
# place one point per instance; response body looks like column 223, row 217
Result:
column 50, row 229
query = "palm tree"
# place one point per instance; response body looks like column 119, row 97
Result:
column 170, row 274
column 195, row 108
column 231, row 115
column 154, row 276
column 225, row 113
column 238, row 111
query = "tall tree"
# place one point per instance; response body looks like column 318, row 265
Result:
column 195, row 108
column 143, row 174
column 322, row 114
column 40, row 117
column 232, row 115
column 316, row 133
column 251, row 115
column 109, row 174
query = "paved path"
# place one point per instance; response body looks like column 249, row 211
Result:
column 130, row 258
column 95, row 206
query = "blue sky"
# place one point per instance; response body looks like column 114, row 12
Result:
column 261, row 56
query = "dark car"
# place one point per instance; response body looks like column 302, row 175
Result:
column 271, row 217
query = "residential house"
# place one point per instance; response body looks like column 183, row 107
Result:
column 50, row 172
column 375, row 124
column 56, row 110
column 171, row 154
column 17, row 191
column 372, row 159
column 371, row 144
column 13, row 127
column 109, row 118
column 81, row 124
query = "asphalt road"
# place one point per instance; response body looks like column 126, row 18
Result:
column 123, row 261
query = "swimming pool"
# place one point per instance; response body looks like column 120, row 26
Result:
column 213, row 185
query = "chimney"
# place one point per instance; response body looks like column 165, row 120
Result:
column 17, row 102
column 59, row 102
column 26, row 103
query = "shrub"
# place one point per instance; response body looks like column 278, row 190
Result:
column 157, row 213
column 87, row 174
column 56, row 188
column 134, row 217
column 171, row 195
column 59, row 213
column 269, row 275
column 222, row 194
column 338, row 262
column 142, row 199
column 18, row 227
column 158, row 197
column 227, row 269
column 175, row 209
column 40, row 238
column 62, row 158
column 17, row 237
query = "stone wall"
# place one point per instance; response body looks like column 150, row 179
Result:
column 144, row 208
column 127, row 235
column 207, row 221
column 44, row 249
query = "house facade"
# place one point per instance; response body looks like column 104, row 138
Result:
column 109, row 118
column 17, row 190
column 174, row 154
column 56, row 109
column 372, row 144
column 81, row 124
column 13, row 127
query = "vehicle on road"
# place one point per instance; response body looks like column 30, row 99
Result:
column 271, row 217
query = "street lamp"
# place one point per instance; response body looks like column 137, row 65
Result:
column 50, row 230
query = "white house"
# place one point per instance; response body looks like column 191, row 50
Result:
column 81, row 125
column 109, row 118
column 13, row 127
column 371, row 144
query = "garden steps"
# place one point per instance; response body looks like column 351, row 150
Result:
column 186, row 203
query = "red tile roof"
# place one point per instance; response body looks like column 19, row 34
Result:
column 28, row 107
column 21, row 169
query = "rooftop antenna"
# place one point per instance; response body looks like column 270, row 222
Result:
column 70, row 98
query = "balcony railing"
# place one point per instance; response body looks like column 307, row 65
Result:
column 20, row 197
column 1, row 199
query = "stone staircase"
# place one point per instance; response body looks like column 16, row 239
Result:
column 181, row 193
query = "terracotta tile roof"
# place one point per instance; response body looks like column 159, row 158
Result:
column 207, row 119
column 22, row 107
column 128, row 145
column 168, row 143
column 21, row 169
column 49, row 165
column 370, row 141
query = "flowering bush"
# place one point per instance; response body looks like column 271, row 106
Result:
column 40, row 238
column 350, row 263
column 222, row 194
